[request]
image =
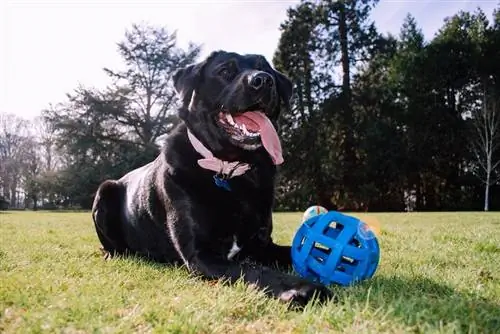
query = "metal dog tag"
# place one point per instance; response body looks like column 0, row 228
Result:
column 222, row 182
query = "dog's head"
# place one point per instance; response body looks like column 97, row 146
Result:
column 232, row 102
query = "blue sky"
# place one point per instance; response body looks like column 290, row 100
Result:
column 48, row 47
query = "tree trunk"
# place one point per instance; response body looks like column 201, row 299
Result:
column 487, row 196
column 323, row 199
column 315, row 123
column 487, row 184
column 13, row 197
column 35, row 204
column 348, row 147
column 344, row 48
column 488, row 179
column 418, row 193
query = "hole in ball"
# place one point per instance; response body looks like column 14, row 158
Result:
column 320, row 252
column 355, row 242
column 348, row 260
column 301, row 243
column 333, row 229
column 347, row 265
column 322, row 248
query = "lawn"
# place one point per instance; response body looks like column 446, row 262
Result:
column 439, row 272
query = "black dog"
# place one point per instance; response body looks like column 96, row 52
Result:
column 206, row 200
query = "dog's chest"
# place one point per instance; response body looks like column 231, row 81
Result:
column 230, row 235
column 229, row 242
column 234, row 216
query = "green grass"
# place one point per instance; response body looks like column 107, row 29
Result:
column 439, row 273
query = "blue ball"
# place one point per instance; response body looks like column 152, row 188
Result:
column 335, row 248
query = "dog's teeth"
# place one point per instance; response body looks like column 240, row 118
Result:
column 230, row 119
column 244, row 128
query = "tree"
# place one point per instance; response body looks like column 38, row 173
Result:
column 485, row 144
column 150, row 56
column 409, row 81
column 103, row 134
column 347, row 27
column 463, row 54
column 95, row 147
column 40, row 159
column 381, row 138
column 13, row 131
column 321, row 131
column 45, row 134
column 302, row 174
column 31, row 169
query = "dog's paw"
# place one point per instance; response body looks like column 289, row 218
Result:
column 106, row 255
column 304, row 292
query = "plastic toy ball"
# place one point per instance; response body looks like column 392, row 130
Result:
column 312, row 211
column 334, row 248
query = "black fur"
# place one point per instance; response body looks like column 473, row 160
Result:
column 171, row 211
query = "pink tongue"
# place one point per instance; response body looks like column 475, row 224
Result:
column 257, row 121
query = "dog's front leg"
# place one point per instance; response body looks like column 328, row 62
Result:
column 202, row 261
column 271, row 254
column 262, row 247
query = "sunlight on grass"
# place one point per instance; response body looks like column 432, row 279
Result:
column 439, row 272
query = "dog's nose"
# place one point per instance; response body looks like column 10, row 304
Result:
column 260, row 80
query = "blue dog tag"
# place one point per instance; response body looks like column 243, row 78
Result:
column 221, row 182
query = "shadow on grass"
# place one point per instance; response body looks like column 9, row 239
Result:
column 425, row 304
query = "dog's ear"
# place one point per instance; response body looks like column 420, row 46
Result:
column 185, row 81
column 285, row 88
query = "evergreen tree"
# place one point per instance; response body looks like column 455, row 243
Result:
column 315, row 39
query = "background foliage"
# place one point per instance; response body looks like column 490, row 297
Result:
column 379, row 122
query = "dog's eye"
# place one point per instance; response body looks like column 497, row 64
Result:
column 226, row 73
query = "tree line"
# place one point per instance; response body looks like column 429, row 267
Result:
column 384, row 122
column 379, row 122
column 95, row 134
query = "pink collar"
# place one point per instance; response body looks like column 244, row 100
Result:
column 227, row 168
